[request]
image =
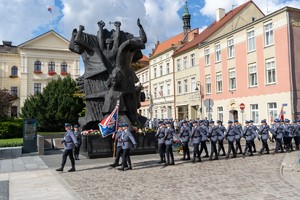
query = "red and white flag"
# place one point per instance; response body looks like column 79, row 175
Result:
column 281, row 114
column 49, row 8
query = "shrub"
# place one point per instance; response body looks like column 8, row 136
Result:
column 11, row 129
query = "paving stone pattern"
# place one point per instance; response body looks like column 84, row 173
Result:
column 4, row 189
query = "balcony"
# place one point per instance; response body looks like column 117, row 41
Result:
column 51, row 73
column 37, row 72
column 13, row 76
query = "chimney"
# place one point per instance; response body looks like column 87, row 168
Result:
column 6, row 43
column 220, row 13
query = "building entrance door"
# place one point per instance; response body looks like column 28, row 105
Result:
column 233, row 115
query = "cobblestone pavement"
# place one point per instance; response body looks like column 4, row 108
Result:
column 257, row 177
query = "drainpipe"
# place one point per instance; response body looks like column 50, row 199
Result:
column 174, row 89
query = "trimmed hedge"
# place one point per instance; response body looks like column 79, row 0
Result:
column 15, row 142
column 11, row 129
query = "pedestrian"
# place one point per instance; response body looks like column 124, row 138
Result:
column 254, row 131
column 203, row 130
column 185, row 132
column 278, row 131
column 213, row 136
column 127, row 140
column 221, row 131
column 238, row 135
column 169, row 134
column 289, row 134
column 248, row 137
column 79, row 141
column 264, row 133
column 117, row 137
column 230, row 137
column 297, row 133
column 69, row 141
column 160, row 135
column 196, row 141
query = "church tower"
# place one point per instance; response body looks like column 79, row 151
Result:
column 186, row 18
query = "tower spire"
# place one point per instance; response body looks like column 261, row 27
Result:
column 186, row 19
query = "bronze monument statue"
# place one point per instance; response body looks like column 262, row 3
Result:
column 108, row 75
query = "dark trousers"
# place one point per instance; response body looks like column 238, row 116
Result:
column 67, row 152
column 278, row 145
column 265, row 146
column 162, row 151
column 76, row 151
column 238, row 146
column 289, row 144
column 213, row 149
column 118, row 155
column 203, row 146
column 285, row 142
column 248, row 147
column 231, row 148
column 169, row 152
column 186, row 150
column 253, row 145
column 196, row 152
column 296, row 140
column 221, row 147
column 126, row 158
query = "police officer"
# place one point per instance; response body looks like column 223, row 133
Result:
column 69, row 141
column 126, row 140
column 185, row 132
column 119, row 151
column 278, row 131
column 230, row 137
column 264, row 133
column 289, row 134
column 238, row 135
column 297, row 133
column 203, row 130
column 254, row 130
column 248, row 137
column 213, row 136
column 79, row 141
column 160, row 135
column 169, row 133
column 221, row 131
column 196, row 141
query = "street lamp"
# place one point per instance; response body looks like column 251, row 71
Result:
column 198, row 84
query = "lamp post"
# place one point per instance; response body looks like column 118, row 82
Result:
column 198, row 84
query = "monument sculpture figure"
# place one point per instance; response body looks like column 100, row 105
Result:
column 108, row 75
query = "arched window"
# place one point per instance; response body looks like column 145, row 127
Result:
column 37, row 66
column 14, row 71
column 51, row 67
column 64, row 67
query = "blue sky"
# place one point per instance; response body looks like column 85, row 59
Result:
column 21, row 20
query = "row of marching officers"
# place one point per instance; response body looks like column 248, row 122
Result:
column 199, row 133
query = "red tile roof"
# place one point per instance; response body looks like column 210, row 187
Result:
column 212, row 28
column 144, row 59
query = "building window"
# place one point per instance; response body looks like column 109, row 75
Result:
column 155, row 113
column 185, row 62
column 254, row 113
column 268, row 34
column 155, row 91
column 37, row 66
column 161, row 70
column 14, row 71
column 220, row 113
column 192, row 60
column 178, row 65
column 142, row 81
column 162, row 113
column 219, row 82
column 232, row 80
column 161, row 91
column 218, row 52
column 272, row 108
column 168, row 89
column 193, row 84
column 270, row 72
column 146, row 77
column 179, row 87
column 251, row 40
column 230, row 48
column 207, row 57
column 51, row 67
column 147, row 94
column 168, row 68
column 185, row 86
column 64, row 67
column 208, row 84
column 37, row 88
column 14, row 111
column 14, row 91
column 154, row 72
column 252, row 75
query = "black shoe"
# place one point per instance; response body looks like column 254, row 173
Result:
column 112, row 165
column 182, row 159
column 234, row 156
column 227, row 156
column 251, row 154
column 241, row 153
column 193, row 161
column 172, row 163
column 268, row 152
column 72, row 169
column 206, row 156
column 129, row 168
column 122, row 169
column 216, row 158
column 159, row 162
column 223, row 154
column 199, row 160
column 188, row 158
column 60, row 169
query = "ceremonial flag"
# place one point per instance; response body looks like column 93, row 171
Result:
column 281, row 114
column 49, row 8
column 109, row 124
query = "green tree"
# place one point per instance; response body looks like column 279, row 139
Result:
column 59, row 103
column 6, row 101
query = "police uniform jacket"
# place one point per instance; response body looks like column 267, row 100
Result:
column 297, row 129
column 254, row 131
column 160, row 134
column 213, row 133
column 126, row 139
column 70, row 140
column 288, row 130
column 169, row 133
column 264, row 131
column 230, row 134
column 248, row 133
column 196, row 136
column 78, row 137
column 221, row 130
column 118, row 138
column 203, row 130
column 278, row 131
column 185, row 132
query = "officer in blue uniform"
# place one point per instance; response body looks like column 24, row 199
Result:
column 238, row 135
column 196, row 141
column 289, row 134
column 278, row 131
column 69, row 141
column 160, row 135
column 297, row 133
column 185, row 132
column 248, row 137
column 213, row 136
column 221, row 131
column 230, row 137
column 117, row 137
column 254, row 130
column 79, row 141
column 169, row 134
column 203, row 130
column 264, row 134
column 127, row 140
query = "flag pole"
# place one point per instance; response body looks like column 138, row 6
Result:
column 117, row 121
